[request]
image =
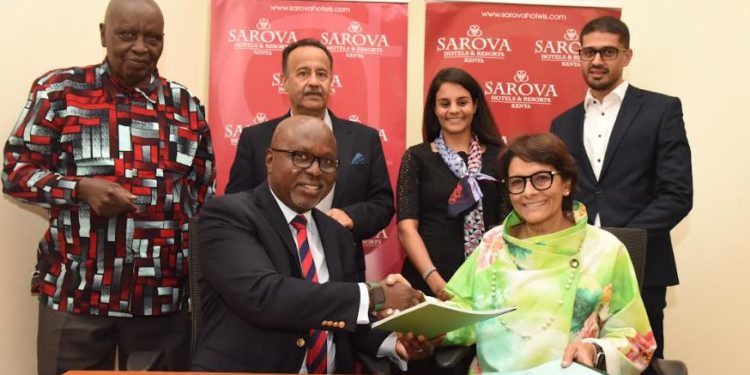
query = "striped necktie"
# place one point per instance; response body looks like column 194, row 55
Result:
column 317, row 348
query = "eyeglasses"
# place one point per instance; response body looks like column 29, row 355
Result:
column 607, row 53
column 304, row 160
column 539, row 180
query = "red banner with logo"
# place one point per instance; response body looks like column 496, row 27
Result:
column 368, row 42
column 524, row 56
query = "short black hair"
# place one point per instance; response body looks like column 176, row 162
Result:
column 608, row 24
column 303, row 43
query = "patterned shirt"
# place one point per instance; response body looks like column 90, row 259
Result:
column 83, row 122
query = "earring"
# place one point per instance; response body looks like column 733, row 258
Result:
column 566, row 193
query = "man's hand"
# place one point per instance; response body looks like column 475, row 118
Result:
column 399, row 294
column 581, row 352
column 106, row 198
column 410, row 346
column 341, row 217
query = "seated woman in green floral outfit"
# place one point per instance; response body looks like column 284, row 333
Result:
column 574, row 285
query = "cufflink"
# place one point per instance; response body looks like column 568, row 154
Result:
column 300, row 342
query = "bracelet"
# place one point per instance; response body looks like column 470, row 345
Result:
column 428, row 272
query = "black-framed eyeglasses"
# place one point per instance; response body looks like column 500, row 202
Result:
column 539, row 180
column 304, row 160
column 607, row 53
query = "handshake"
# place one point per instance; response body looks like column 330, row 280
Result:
column 389, row 296
column 392, row 293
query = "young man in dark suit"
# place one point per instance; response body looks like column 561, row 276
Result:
column 280, row 285
column 633, row 157
column 362, row 198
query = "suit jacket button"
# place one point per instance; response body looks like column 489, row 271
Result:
column 300, row 343
column 342, row 325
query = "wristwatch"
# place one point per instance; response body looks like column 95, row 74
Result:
column 377, row 296
column 600, row 362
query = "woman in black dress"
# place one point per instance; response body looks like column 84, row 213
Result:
column 448, row 194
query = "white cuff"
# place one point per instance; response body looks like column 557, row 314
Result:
column 388, row 350
column 364, row 305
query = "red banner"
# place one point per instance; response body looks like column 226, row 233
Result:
column 368, row 42
column 523, row 56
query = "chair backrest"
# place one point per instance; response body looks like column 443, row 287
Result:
column 194, row 274
column 635, row 241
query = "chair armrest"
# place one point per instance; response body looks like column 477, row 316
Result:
column 669, row 366
column 451, row 356
column 374, row 365
column 143, row 360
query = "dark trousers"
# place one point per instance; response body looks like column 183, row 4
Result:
column 655, row 299
column 68, row 341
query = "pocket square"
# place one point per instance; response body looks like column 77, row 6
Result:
column 358, row 159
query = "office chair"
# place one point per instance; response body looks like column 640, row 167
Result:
column 635, row 242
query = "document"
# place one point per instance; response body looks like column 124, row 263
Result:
column 434, row 317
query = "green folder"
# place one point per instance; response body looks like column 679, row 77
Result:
column 433, row 317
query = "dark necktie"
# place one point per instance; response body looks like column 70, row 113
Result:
column 317, row 348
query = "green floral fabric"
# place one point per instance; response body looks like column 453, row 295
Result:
column 572, row 285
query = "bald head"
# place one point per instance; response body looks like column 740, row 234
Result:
column 133, row 34
column 301, row 162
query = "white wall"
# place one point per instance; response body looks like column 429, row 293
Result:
column 696, row 52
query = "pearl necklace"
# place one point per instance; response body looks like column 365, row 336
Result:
column 551, row 319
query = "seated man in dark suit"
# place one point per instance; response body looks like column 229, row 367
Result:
column 279, row 288
column 362, row 198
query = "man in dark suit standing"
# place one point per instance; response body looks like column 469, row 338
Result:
column 633, row 157
column 362, row 198
column 280, row 291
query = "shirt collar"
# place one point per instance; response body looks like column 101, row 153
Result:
column 116, row 86
column 618, row 93
column 326, row 117
column 289, row 213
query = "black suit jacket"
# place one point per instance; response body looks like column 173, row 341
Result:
column 646, row 178
column 363, row 189
column 256, row 306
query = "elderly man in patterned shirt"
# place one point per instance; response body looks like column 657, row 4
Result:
column 122, row 159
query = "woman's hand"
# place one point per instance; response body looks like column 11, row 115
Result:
column 581, row 352
column 410, row 346
column 437, row 286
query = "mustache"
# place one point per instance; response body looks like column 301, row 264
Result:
column 313, row 92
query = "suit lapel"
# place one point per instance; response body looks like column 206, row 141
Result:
column 577, row 148
column 265, row 200
column 331, row 250
column 345, row 145
column 631, row 104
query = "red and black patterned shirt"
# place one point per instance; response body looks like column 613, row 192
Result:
column 83, row 122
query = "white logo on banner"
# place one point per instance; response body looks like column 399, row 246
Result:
column 564, row 51
column 473, row 48
column 474, row 31
column 377, row 240
column 354, row 118
column 383, row 136
column 260, row 117
column 232, row 132
column 262, row 40
column 354, row 42
column 522, row 93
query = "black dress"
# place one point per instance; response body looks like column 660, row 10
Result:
column 424, row 185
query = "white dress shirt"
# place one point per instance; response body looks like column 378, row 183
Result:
column 597, row 127
column 388, row 347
